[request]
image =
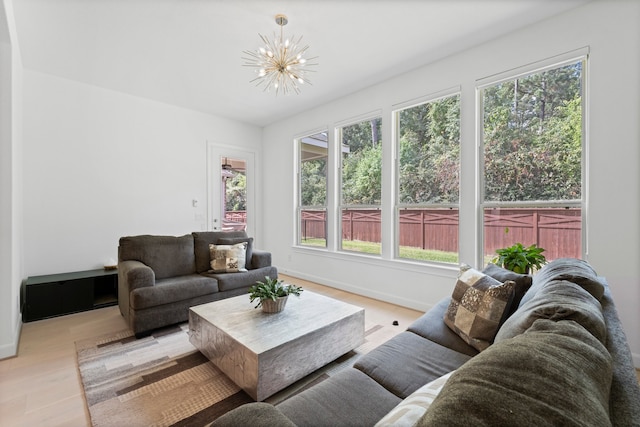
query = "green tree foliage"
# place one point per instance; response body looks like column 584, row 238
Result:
column 362, row 176
column 532, row 147
column 532, row 137
column 430, row 152
column 236, row 192
column 313, row 191
column 362, row 164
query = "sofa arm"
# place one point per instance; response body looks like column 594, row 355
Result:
column 260, row 259
column 257, row 414
column 134, row 274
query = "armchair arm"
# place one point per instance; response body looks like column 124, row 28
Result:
column 260, row 259
column 134, row 274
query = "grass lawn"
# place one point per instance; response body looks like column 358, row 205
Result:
column 406, row 252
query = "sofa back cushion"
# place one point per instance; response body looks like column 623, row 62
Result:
column 168, row 256
column 201, row 242
column 574, row 270
column 555, row 374
column 557, row 300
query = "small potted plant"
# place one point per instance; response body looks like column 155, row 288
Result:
column 272, row 294
column 519, row 259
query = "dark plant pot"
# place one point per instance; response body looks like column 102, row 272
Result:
column 271, row 306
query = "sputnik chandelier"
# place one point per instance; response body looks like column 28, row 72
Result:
column 279, row 63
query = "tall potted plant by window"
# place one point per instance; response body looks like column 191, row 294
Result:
column 519, row 259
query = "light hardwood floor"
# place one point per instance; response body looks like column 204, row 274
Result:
column 41, row 386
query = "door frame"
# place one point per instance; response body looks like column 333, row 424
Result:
column 215, row 152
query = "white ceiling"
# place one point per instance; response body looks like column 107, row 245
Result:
column 189, row 52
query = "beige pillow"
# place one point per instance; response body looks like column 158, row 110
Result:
column 228, row 258
column 478, row 307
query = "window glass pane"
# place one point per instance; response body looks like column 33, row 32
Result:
column 234, row 190
column 313, row 189
column 533, row 149
column 361, row 186
column 557, row 230
column 533, row 137
column 429, row 234
column 429, row 176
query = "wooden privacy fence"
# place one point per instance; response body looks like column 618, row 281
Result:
column 558, row 230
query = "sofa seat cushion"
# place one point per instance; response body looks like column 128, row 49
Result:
column 557, row 300
column 411, row 409
column 170, row 290
column 407, row 361
column 431, row 326
column 348, row 398
column 555, row 374
column 231, row 281
column 256, row 414
column 168, row 256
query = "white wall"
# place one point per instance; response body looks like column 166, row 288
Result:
column 11, row 264
column 610, row 30
column 99, row 165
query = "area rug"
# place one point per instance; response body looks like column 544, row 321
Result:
column 163, row 380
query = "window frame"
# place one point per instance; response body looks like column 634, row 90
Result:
column 558, row 61
column 340, row 205
column 299, row 207
column 398, row 206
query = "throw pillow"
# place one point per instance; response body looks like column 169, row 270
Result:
column 478, row 307
column 235, row 241
column 523, row 282
column 411, row 409
column 228, row 258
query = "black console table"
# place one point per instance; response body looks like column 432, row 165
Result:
column 58, row 294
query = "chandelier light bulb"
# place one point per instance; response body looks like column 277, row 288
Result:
column 278, row 59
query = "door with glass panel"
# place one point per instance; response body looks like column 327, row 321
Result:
column 231, row 199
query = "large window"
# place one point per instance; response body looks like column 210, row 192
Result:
column 533, row 148
column 428, row 137
column 312, row 207
column 361, row 185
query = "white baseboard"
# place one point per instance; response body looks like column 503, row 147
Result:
column 11, row 349
column 636, row 360
column 391, row 298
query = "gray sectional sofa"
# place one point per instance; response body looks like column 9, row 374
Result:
column 160, row 277
column 560, row 357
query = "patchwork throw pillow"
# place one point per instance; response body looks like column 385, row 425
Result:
column 228, row 258
column 235, row 241
column 479, row 304
column 523, row 282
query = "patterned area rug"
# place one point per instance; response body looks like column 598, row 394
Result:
column 163, row 380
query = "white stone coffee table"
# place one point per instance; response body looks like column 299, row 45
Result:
column 265, row 352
